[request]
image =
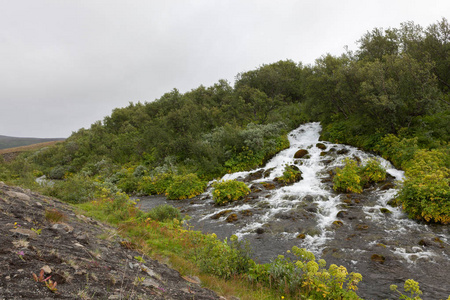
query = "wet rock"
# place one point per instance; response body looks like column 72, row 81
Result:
column 327, row 161
column 387, row 186
column 321, row 146
column 300, row 153
column 425, row 243
column 308, row 198
column 260, row 230
column 385, row 210
column 342, row 151
column 323, row 153
column 246, row 213
column 220, row 214
column 255, row 175
column 378, row 258
column 312, row 209
column 358, row 160
column 342, row 214
column 301, row 236
column 393, row 203
column 268, row 185
column 268, row 172
column 232, row 218
column 337, row 224
column 362, row 227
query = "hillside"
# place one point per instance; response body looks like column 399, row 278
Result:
column 12, row 142
column 87, row 259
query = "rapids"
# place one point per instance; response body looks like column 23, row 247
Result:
column 346, row 229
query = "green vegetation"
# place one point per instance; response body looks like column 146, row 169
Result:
column 229, row 190
column 391, row 96
column 352, row 178
column 185, row 186
column 291, row 174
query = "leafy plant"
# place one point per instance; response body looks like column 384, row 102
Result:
column 163, row 212
column 229, row 190
column 352, row 178
column 185, row 186
column 347, row 179
column 410, row 286
column 291, row 174
column 155, row 185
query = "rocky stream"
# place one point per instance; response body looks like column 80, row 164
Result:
column 362, row 232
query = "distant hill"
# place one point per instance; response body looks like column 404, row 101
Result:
column 12, row 142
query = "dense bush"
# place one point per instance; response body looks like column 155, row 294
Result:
column 426, row 189
column 347, row 179
column 163, row 213
column 229, row 190
column 185, row 186
column 352, row 178
column 155, row 185
column 306, row 276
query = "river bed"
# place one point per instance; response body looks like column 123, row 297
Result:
column 359, row 231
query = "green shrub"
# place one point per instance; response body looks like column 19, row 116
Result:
column 347, row 179
column 155, row 185
column 372, row 171
column 426, row 190
column 164, row 212
column 128, row 183
column 291, row 174
column 221, row 258
column 229, row 190
column 185, row 186
column 306, row 276
column 57, row 173
column 352, row 178
column 75, row 189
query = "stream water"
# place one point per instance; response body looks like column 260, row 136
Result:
column 359, row 231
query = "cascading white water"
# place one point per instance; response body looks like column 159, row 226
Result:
column 273, row 220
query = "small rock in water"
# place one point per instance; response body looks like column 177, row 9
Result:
column 259, row 230
column 378, row 258
column 301, row 236
column 342, row 214
column 385, row 210
column 337, row 224
column 321, row 146
column 362, row 227
column 342, row 151
column 232, row 218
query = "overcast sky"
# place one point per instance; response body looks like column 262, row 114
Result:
column 66, row 64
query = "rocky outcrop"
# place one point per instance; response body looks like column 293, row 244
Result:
column 86, row 258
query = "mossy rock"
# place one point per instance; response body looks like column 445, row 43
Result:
column 301, row 236
column 378, row 258
column 343, row 151
column 337, row 224
column 385, row 210
column 268, row 186
column 246, row 213
column 220, row 214
column 387, row 186
column 342, row 214
column 300, row 153
column 393, row 203
column 362, row 227
column 323, row 153
column 321, row 146
column 232, row 218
